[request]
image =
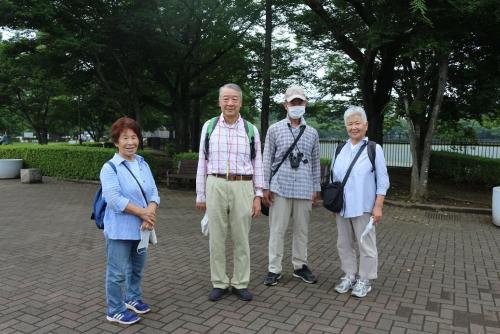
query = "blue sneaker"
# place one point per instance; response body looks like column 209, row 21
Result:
column 138, row 306
column 126, row 318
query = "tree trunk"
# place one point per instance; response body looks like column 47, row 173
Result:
column 414, row 136
column 182, row 114
column 266, row 72
column 41, row 134
column 418, row 189
column 195, row 126
column 376, row 87
column 376, row 126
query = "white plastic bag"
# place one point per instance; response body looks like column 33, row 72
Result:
column 367, row 229
column 204, row 225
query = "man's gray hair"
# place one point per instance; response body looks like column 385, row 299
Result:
column 232, row 86
column 355, row 110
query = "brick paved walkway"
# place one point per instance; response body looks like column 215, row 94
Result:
column 438, row 273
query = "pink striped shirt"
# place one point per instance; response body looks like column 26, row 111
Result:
column 229, row 151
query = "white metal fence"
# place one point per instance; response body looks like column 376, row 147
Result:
column 397, row 154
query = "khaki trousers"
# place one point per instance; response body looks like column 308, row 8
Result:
column 229, row 206
column 281, row 212
column 349, row 230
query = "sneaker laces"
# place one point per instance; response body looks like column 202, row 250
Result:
column 361, row 284
column 346, row 280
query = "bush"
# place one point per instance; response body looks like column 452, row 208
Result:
column 326, row 162
column 463, row 168
column 100, row 145
column 183, row 156
column 72, row 161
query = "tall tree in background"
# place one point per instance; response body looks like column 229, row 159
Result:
column 266, row 70
column 450, row 38
column 166, row 55
column 30, row 80
column 371, row 35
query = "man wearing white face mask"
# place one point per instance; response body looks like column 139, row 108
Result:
column 291, row 185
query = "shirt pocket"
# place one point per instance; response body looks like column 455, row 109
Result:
column 240, row 144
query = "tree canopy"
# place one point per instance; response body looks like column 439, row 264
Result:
column 81, row 64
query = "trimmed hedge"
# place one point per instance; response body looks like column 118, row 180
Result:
column 463, row 168
column 100, row 145
column 72, row 161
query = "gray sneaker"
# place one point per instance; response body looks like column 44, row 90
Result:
column 361, row 288
column 345, row 285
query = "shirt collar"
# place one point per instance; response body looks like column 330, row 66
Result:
column 222, row 121
column 118, row 159
column 302, row 121
column 358, row 144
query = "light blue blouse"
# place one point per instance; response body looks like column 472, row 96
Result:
column 362, row 186
column 119, row 189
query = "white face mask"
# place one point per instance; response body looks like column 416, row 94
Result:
column 296, row 112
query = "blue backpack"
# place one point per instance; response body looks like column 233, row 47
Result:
column 99, row 207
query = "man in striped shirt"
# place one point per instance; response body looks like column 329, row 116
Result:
column 229, row 185
column 294, row 188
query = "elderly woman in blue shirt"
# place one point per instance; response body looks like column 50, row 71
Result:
column 129, row 211
column 364, row 195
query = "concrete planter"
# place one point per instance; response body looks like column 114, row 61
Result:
column 495, row 206
column 10, row 168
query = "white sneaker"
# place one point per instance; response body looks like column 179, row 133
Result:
column 345, row 285
column 361, row 288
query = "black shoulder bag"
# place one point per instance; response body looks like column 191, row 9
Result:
column 333, row 195
column 265, row 208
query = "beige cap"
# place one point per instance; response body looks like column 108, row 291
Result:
column 295, row 92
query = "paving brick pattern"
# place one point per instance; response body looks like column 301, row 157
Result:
column 439, row 273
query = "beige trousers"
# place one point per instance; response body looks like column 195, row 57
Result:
column 350, row 230
column 281, row 212
column 229, row 206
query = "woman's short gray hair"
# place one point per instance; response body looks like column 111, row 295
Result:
column 232, row 86
column 355, row 110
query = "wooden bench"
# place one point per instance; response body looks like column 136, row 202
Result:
column 186, row 170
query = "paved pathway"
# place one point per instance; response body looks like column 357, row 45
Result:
column 439, row 273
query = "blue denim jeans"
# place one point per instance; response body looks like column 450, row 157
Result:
column 124, row 268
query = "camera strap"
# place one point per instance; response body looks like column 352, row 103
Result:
column 290, row 149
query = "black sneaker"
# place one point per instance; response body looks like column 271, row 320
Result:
column 217, row 294
column 305, row 274
column 243, row 294
column 272, row 279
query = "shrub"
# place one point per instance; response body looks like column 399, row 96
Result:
column 100, row 145
column 326, row 162
column 186, row 156
column 463, row 168
column 183, row 156
column 72, row 161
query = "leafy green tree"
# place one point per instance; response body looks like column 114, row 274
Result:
column 441, row 45
column 30, row 81
column 371, row 34
column 145, row 55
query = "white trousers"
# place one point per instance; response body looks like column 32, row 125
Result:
column 349, row 230
column 280, row 213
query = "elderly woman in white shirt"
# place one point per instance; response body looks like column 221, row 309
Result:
column 364, row 195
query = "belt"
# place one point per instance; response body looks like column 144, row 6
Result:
column 234, row 177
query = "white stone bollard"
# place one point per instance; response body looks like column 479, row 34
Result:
column 495, row 206
column 31, row 175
